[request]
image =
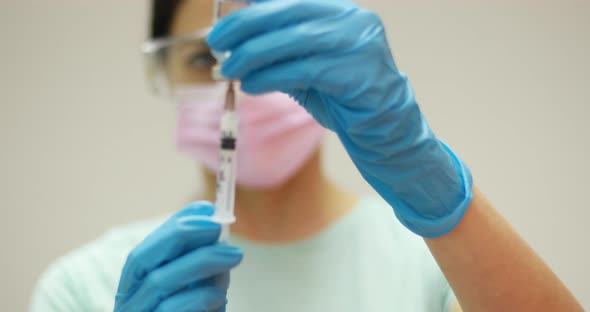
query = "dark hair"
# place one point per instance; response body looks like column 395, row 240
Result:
column 162, row 15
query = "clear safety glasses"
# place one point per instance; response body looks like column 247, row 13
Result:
column 186, row 59
column 174, row 61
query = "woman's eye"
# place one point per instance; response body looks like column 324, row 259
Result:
column 201, row 60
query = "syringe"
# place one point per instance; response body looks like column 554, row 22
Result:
column 226, row 166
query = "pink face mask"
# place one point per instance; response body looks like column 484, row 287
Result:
column 277, row 136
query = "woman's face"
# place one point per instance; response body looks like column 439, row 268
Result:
column 191, row 62
column 192, row 15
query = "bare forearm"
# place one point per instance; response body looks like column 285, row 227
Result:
column 491, row 268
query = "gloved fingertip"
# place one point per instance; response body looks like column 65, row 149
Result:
column 229, row 70
column 204, row 208
column 251, row 88
column 220, row 295
column 199, row 223
column 214, row 38
column 232, row 254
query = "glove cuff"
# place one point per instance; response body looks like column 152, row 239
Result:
column 436, row 227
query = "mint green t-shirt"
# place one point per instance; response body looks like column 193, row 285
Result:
column 366, row 261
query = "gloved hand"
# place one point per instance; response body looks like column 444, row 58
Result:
column 179, row 267
column 332, row 56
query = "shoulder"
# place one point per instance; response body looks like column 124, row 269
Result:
column 387, row 230
column 408, row 254
column 86, row 278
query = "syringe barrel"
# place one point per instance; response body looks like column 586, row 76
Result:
column 226, row 170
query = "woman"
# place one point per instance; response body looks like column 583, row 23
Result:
column 307, row 245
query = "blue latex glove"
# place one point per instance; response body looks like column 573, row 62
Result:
column 332, row 56
column 179, row 266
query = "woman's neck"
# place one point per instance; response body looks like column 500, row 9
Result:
column 300, row 208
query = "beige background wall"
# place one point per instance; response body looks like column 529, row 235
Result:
column 84, row 147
